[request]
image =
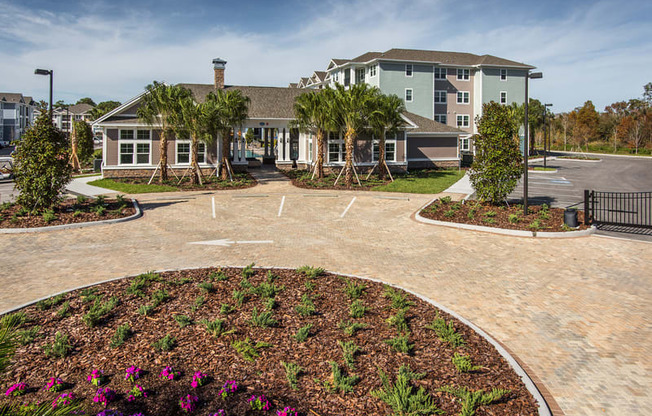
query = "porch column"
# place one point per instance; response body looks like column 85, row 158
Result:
column 284, row 145
column 263, row 135
column 235, row 146
column 243, row 145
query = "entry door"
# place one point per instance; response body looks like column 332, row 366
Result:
column 294, row 144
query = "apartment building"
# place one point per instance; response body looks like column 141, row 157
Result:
column 448, row 87
column 16, row 114
column 63, row 117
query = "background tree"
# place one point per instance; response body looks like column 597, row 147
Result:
column 586, row 123
column 103, row 108
column 385, row 117
column 41, row 168
column 84, row 134
column 160, row 108
column 614, row 114
column 497, row 164
column 86, row 100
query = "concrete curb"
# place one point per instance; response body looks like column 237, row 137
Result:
column 544, row 409
column 138, row 214
column 503, row 231
column 603, row 154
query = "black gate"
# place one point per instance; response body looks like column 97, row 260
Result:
column 618, row 208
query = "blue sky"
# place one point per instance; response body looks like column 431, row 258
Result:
column 597, row 50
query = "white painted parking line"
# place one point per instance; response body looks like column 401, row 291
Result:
column 227, row 243
column 320, row 196
column 280, row 209
column 347, row 208
column 251, row 196
column 213, row 205
column 400, row 198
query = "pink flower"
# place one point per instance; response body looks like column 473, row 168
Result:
column 104, row 396
column 168, row 373
column 229, row 387
column 136, row 391
column 198, row 379
column 133, row 373
column 63, row 399
column 187, row 403
column 17, row 389
column 96, row 377
column 287, row 411
column 259, row 403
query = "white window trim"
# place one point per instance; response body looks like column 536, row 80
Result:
column 176, row 153
column 135, row 142
column 373, row 70
column 375, row 142
column 500, row 97
column 467, row 141
column 501, row 75
column 468, row 119
column 411, row 95
column 445, row 97
column 463, row 79
column 457, row 97
column 340, row 143
column 411, row 70
column 444, row 70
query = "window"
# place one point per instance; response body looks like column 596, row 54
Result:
column 336, row 77
column 142, row 134
column 441, row 118
column 503, row 75
column 408, row 70
column 184, row 151
column 440, row 97
column 440, row 73
column 333, row 152
column 142, row 153
column 462, row 120
column 462, row 97
column 126, row 153
column 359, row 76
column 503, row 97
column 135, row 147
column 463, row 74
column 373, row 70
column 464, row 144
column 126, row 134
column 347, row 77
column 408, row 95
column 390, row 151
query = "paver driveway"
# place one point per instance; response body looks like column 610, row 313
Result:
column 576, row 311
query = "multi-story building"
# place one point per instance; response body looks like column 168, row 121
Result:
column 448, row 87
column 62, row 117
column 16, row 114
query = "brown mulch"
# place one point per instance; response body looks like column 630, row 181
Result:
column 498, row 216
column 210, row 183
column 302, row 179
column 67, row 212
column 197, row 350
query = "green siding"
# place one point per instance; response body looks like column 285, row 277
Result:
column 393, row 81
column 492, row 85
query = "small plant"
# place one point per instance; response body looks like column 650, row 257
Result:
column 199, row 302
column 145, row 310
column 17, row 389
column 238, row 296
column 218, row 276
column 350, row 328
column 489, row 220
column 354, row 290
column 62, row 400
column 168, row 373
column 54, row 385
column 49, row 216
column 167, row 343
column 399, row 320
column 104, row 396
column 88, row 292
column 159, row 297
column 99, row 200
column 26, row 336
column 401, row 395
column 133, row 373
column 198, row 379
column 338, row 381
column 292, row 371
column 59, row 348
column 46, row 304
column 471, row 214
column 446, row 332
column 15, row 319
column 310, row 285
column 544, row 215
column 445, row 200
column 99, row 210
column 306, row 307
column 183, row 320
column 246, row 284
column 96, row 378
column 181, row 281
column 399, row 300
column 188, row 403
column 449, row 213
column 271, row 277
column 463, row 363
column 248, row 271
column 287, row 411
column 400, row 343
column 77, row 213
column 270, row 304
column 490, row 214
column 120, row 199
column 513, row 218
column 310, row 271
column 303, row 333
column 227, row 389
column 471, row 400
column 64, row 310
column 259, row 402
column 206, row 287
column 357, row 309
column 535, row 225
column 99, row 311
column 135, row 392
column 248, row 350
column 217, row 327
column 349, row 350
column 267, row 290
column 456, row 206
column 122, row 333
column 565, row 227
column 226, row 309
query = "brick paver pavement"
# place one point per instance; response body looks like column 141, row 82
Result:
column 576, row 311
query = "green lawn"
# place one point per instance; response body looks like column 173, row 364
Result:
column 541, row 168
column 129, row 188
column 422, row 182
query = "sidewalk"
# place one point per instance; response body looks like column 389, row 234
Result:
column 80, row 186
column 463, row 186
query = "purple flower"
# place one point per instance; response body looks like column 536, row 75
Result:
column 220, row 412
column 198, row 379
column 104, row 396
column 287, row 411
column 54, row 384
column 259, row 403
column 137, row 391
column 229, row 387
column 96, row 377
column 168, row 373
column 133, row 373
column 63, row 399
column 187, row 403
column 109, row 413
column 17, row 389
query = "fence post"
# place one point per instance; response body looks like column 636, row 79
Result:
column 587, row 195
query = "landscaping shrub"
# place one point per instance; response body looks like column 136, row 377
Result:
column 401, row 395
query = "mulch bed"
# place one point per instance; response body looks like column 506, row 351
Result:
column 210, row 183
column 539, row 218
column 302, row 179
column 197, row 350
column 69, row 211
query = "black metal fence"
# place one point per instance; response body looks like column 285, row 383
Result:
column 618, row 208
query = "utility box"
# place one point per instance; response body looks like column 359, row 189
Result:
column 97, row 165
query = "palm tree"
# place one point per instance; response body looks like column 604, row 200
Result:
column 386, row 117
column 161, row 109
column 233, row 108
column 353, row 109
column 313, row 112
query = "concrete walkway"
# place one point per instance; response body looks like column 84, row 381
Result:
column 463, row 186
column 576, row 311
column 80, row 186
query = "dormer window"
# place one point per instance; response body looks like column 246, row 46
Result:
column 408, row 70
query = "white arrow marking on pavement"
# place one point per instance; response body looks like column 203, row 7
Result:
column 280, row 209
column 347, row 208
column 226, row 242
column 213, row 204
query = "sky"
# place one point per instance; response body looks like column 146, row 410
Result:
column 111, row 49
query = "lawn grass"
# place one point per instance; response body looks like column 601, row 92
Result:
column 129, row 188
column 542, row 169
column 423, row 182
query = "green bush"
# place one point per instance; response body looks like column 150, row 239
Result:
column 303, row 333
column 84, row 134
column 463, row 363
column 400, row 343
column 446, row 332
column 357, row 309
column 402, row 397
column 292, row 371
column 167, row 343
column 59, row 348
column 122, row 333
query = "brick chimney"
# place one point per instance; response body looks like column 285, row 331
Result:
column 218, row 66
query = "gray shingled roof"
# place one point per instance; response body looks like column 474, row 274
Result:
column 426, row 125
column 441, row 57
column 266, row 102
column 321, row 75
column 11, row 97
column 80, row 108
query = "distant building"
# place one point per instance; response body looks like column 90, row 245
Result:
column 63, row 116
column 16, row 114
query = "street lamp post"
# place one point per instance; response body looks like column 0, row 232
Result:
column 51, row 74
column 545, row 134
column 526, row 142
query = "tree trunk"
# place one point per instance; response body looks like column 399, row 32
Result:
column 226, row 155
column 320, row 154
column 164, row 157
column 348, row 166
column 381, row 156
column 196, row 175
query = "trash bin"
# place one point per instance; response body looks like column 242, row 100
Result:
column 97, row 165
column 570, row 217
